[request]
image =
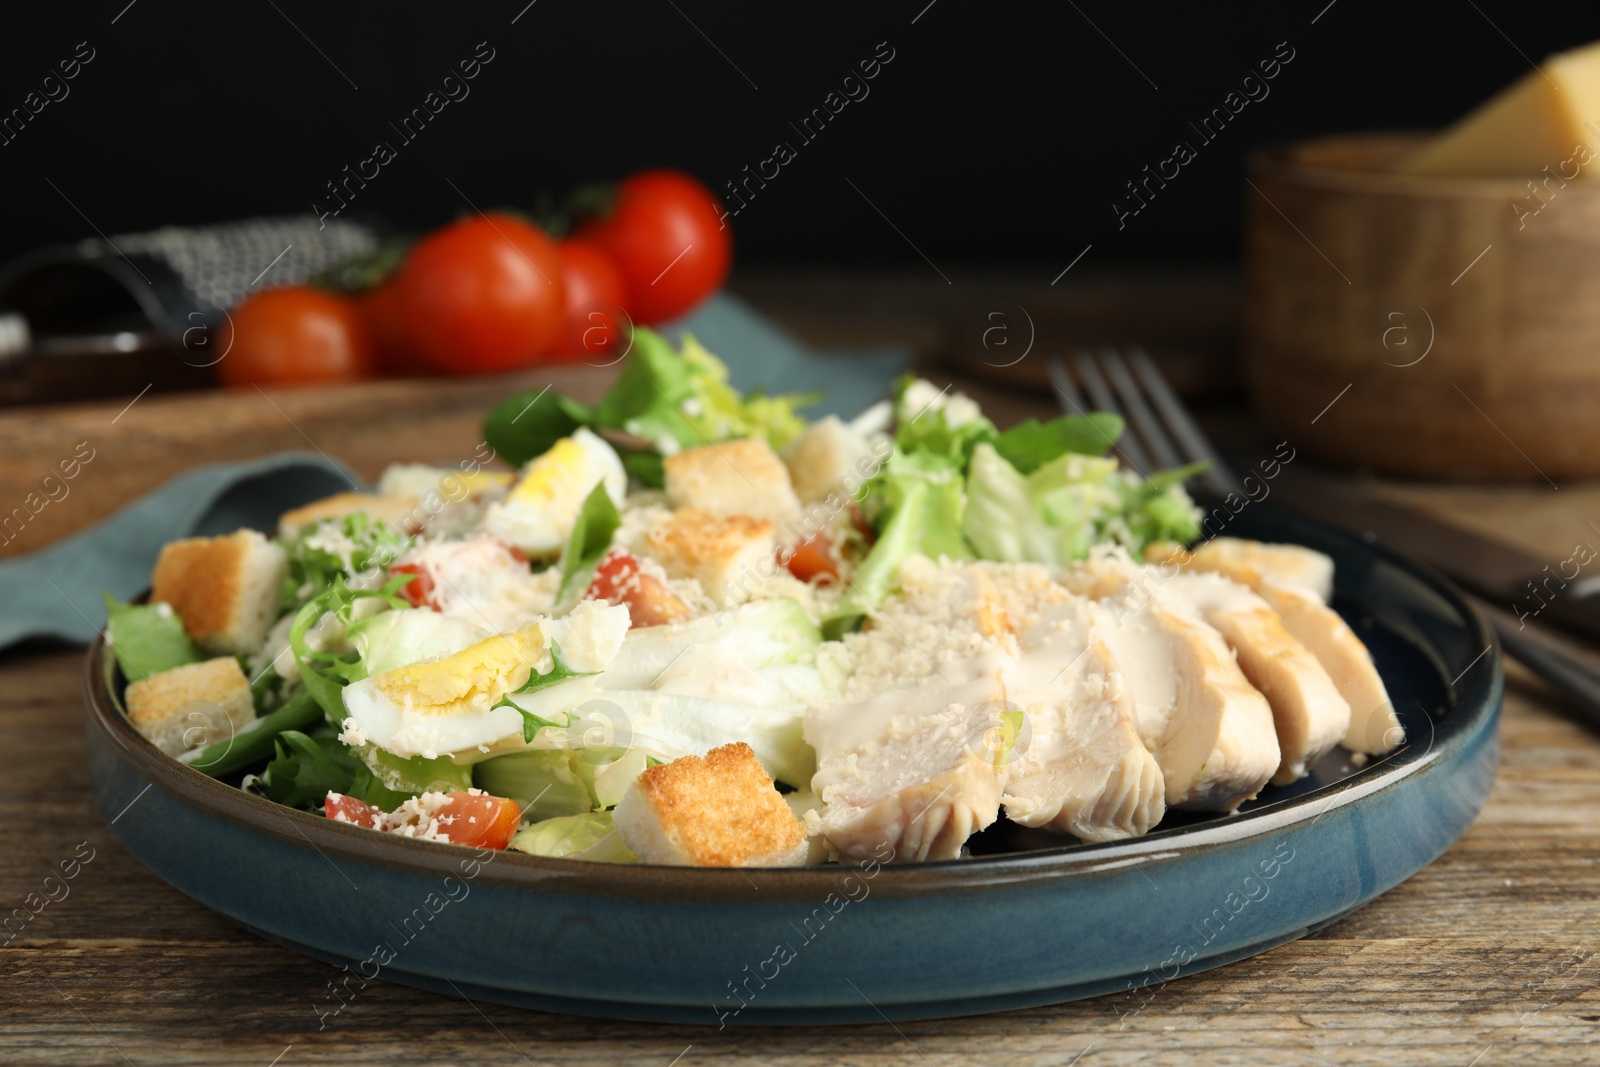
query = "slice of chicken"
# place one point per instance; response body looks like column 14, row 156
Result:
column 1290, row 578
column 1212, row 733
column 1080, row 766
column 1374, row 728
column 1310, row 713
column 911, row 768
column 1253, row 562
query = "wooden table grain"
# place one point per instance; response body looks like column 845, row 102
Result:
column 1485, row 957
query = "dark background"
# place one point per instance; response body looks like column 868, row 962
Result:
column 997, row 133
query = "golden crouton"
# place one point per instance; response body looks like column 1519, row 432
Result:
column 730, row 557
column 401, row 512
column 743, row 477
column 225, row 589
column 719, row 810
column 829, row 457
column 191, row 706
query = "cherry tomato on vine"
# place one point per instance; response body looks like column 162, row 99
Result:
column 482, row 295
column 597, row 323
column 294, row 334
column 666, row 232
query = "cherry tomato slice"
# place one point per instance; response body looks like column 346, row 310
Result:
column 479, row 820
column 341, row 808
column 650, row 603
column 812, row 560
column 418, row 592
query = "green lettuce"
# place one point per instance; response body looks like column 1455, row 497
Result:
column 1056, row 513
column 590, row 836
column 325, row 673
column 147, row 638
column 368, row 543
column 1031, row 444
column 591, row 538
column 916, row 504
column 669, row 398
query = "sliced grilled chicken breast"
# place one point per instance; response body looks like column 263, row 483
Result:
column 1310, row 713
column 1374, row 727
column 1253, row 562
column 1297, row 582
column 1079, row 764
column 911, row 767
column 1212, row 733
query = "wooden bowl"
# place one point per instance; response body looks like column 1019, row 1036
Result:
column 1447, row 328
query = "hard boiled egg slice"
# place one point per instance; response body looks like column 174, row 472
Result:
column 538, row 514
column 449, row 704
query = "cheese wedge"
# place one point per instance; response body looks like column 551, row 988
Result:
column 1548, row 118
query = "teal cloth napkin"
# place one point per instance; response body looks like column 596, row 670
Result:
column 55, row 592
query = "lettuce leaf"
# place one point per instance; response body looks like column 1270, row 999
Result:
column 256, row 741
column 1031, row 444
column 1056, row 513
column 591, row 836
column 147, row 638
column 670, row 398
column 917, row 505
column 591, row 539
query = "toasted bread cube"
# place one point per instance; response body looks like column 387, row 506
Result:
column 719, row 810
column 191, row 706
column 829, row 457
column 730, row 557
column 225, row 589
column 743, row 477
column 404, row 513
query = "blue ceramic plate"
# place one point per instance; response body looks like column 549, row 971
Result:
column 1026, row 921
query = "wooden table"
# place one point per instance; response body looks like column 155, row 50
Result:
column 1486, row 957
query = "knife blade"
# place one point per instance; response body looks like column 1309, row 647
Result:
column 1508, row 577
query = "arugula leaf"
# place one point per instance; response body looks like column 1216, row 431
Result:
column 325, row 674
column 147, row 638
column 591, row 538
column 363, row 543
column 649, row 397
column 256, row 741
column 526, row 425
column 558, row 672
column 303, row 773
column 1031, row 444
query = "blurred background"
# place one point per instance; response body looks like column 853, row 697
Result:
column 997, row 134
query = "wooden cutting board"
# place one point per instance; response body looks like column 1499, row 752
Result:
column 134, row 448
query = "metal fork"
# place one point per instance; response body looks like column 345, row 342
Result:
column 1131, row 386
column 1159, row 428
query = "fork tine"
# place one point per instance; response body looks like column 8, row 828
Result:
column 1095, row 383
column 1191, row 439
column 1140, row 418
column 1071, row 400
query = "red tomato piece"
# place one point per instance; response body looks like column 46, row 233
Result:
column 479, row 820
column 396, row 353
column 650, row 603
column 294, row 334
column 348, row 809
column 812, row 560
column 668, row 234
column 596, row 325
column 482, row 295
column 418, row 592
